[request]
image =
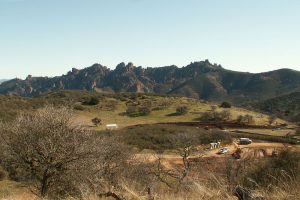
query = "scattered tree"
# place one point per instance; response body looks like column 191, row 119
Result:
column 91, row 101
column 245, row 119
column 165, row 102
column 181, row 110
column 225, row 105
column 136, row 111
column 96, row 121
column 184, row 143
column 144, row 110
column 216, row 116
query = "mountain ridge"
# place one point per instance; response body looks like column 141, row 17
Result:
column 3, row 80
column 201, row 79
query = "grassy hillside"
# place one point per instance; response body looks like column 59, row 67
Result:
column 112, row 107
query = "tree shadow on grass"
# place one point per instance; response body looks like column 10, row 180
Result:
column 173, row 114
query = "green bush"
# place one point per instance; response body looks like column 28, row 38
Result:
column 91, row 101
column 216, row 116
column 225, row 105
column 181, row 110
column 136, row 111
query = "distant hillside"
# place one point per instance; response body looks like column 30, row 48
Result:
column 286, row 106
column 114, row 108
column 199, row 80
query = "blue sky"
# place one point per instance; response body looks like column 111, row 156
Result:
column 49, row 37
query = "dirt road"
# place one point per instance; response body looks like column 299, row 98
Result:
column 169, row 160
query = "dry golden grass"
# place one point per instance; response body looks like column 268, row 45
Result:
column 10, row 190
column 196, row 108
column 213, row 190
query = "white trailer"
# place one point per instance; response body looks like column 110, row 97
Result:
column 111, row 126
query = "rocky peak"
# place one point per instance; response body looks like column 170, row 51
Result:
column 29, row 77
column 123, row 68
column 75, row 71
column 97, row 67
column 203, row 67
column 130, row 65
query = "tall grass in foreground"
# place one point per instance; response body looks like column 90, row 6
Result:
column 213, row 189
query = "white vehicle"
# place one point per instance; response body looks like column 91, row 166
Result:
column 245, row 141
column 223, row 150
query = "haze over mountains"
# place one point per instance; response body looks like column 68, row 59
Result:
column 3, row 80
column 202, row 80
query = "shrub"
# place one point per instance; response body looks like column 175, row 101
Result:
column 225, row 105
column 181, row 110
column 136, row 111
column 96, row 121
column 216, row 116
column 144, row 110
column 91, row 101
column 245, row 119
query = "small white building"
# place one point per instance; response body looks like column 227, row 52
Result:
column 111, row 126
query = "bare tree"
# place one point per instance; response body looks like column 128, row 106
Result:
column 184, row 144
column 56, row 157
column 216, row 116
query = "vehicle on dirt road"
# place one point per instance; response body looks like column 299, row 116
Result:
column 223, row 150
column 245, row 141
